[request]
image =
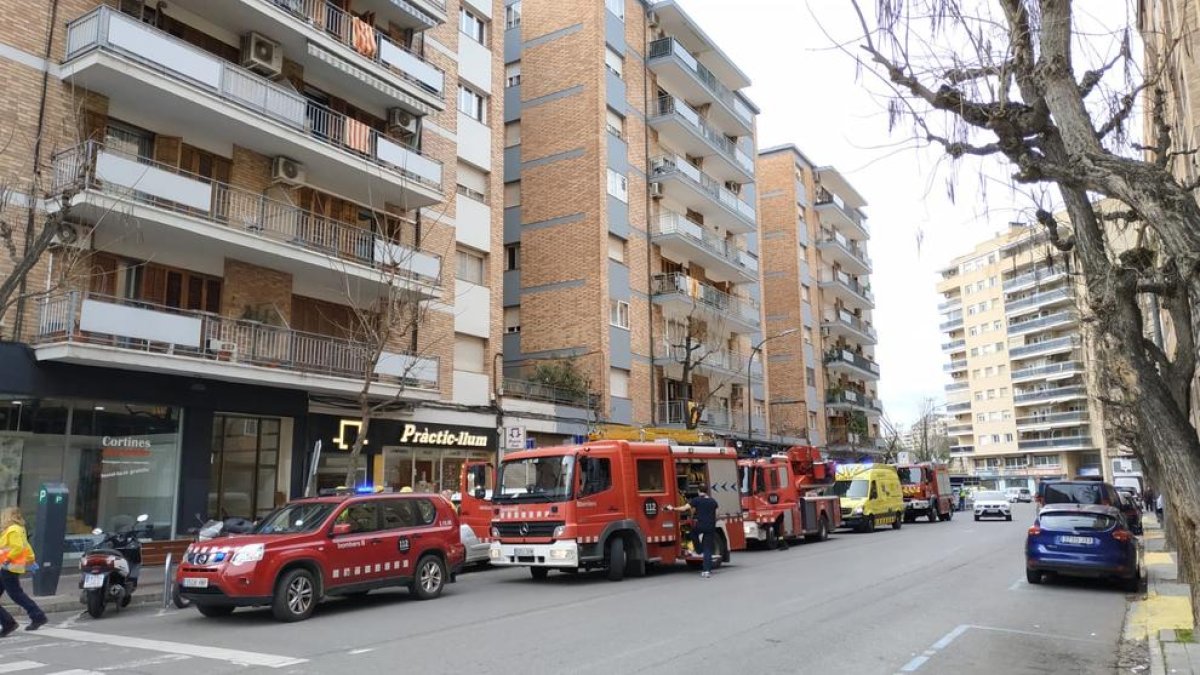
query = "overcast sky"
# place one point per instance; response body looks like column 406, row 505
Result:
column 814, row 96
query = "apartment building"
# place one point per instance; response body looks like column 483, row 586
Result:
column 821, row 370
column 261, row 195
column 630, row 227
column 1018, row 363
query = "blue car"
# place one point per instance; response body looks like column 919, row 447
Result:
column 1083, row 540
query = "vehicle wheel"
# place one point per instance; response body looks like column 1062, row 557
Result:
column 977, row 519
column 1033, row 576
column 1008, row 517
column 430, row 579
column 934, row 516
column 177, row 598
column 295, row 596
column 869, row 524
column 1134, row 583
column 950, row 515
column 616, row 559
column 635, row 567
column 215, row 611
column 822, row 530
column 95, row 604
column 539, row 573
column 897, row 521
column 772, row 538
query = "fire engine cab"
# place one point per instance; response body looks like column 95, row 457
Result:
column 782, row 500
column 601, row 505
column 927, row 491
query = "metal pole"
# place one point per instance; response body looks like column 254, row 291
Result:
column 167, row 584
column 749, row 393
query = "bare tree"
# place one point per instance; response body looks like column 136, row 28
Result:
column 928, row 439
column 893, row 439
column 692, row 347
column 1000, row 82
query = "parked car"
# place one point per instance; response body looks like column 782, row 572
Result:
column 1084, row 540
column 992, row 503
column 1132, row 510
column 309, row 549
column 1089, row 491
column 1024, row 495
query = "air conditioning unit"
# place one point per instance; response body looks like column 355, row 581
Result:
column 72, row 235
column 223, row 348
column 262, row 54
column 656, row 190
column 284, row 170
column 402, row 121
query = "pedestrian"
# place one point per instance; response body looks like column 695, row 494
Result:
column 16, row 557
column 962, row 499
column 1148, row 499
column 704, row 526
column 1158, row 508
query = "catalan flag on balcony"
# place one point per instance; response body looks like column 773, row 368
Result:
column 364, row 38
column 358, row 136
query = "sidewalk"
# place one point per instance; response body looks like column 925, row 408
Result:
column 149, row 592
column 1163, row 617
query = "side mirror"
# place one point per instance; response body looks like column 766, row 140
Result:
column 340, row 529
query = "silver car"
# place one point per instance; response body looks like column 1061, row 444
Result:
column 992, row 503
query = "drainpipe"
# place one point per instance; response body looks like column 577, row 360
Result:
column 649, row 202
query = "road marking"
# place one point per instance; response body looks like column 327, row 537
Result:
column 1016, row 584
column 17, row 666
column 950, row 637
column 354, row 652
column 234, row 656
column 152, row 661
column 76, row 671
column 953, row 635
column 1048, row 636
column 914, row 664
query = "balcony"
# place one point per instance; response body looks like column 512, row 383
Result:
column 960, row 429
column 683, row 293
column 536, row 391
column 848, row 399
column 687, row 130
column 678, row 71
column 958, row 386
column 1054, row 371
column 1052, row 394
column 955, row 366
column 161, row 207
column 679, row 412
column 1032, row 303
column 1046, row 347
column 850, row 255
column 953, row 324
column 1052, row 420
column 836, row 213
column 950, row 304
column 685, row 241
column 842, row 440
column 338, row 50
column 1060, row 443
column 1033, row 278
column 671, row 353
column 854, row 365
column 686, row 184
column 954, row 346
column 962, row 449
column 91, row 329
column 118, row 56
column 847, row 325
column 1056, row 320
column 842, row 286
column 965, row 406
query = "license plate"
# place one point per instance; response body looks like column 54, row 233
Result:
column 524, row 552
column 1081, row 541
column 195, row 582
column 93, row 581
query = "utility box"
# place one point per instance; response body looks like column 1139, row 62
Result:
column 49, row 537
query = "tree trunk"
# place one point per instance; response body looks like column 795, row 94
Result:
column 364, row 410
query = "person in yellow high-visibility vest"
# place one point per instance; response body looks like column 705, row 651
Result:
column 16, row 558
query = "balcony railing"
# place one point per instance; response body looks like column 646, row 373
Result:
column 662, row 166
column 1060, row 442
column 839, row 438
column 1045, row 394
column 952, row 324
column 954, row 345
column 671, row 223
column 679, row 412
column 839, row 240
column 965, row 406
column 669, row 105
column 1080, row 416
column 1049, row 320
column 953, row 302
column 671, row 47
column 537, row 391
column 1037, row 299
column 366, row 40
column 1034, row 276
column 91, row 166
column 852, row 398
column 825, row 197
column 851, row 321
column 962, row 448
column 673, row 351
column 849, row 283
column 107, row 30
column 959, row 429
column 1044, row 345
column 1066, row 367
column 744, row 308
column 848, row 357
column 958, row 386
column 955, row 365
column 133, row 325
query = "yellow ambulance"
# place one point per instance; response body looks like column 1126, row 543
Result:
column 871, row 496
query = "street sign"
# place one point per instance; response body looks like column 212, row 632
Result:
column 514, row 438
column 904, row 457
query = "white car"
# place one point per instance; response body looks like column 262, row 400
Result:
column 477, row 550
column 992, row 503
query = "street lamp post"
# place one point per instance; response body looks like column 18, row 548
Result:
column 750, row 364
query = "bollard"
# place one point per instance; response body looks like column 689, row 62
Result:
column 166, row 591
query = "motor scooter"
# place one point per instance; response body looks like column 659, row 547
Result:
column 109, row 570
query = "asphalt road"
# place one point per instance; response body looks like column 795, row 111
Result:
column 930, row 598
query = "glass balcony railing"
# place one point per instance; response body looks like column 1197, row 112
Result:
column 1037, row 299
column 955, row 365
column 965, row 406
column 662, row 166
column 1036, row 348
column 670, row 223
column 1080, row 416
column 672, row 106
column 852, row 398
column 1066, row 367
column 1055, row 319
column 954, row 345
column 1037, row 276
column 668, row 46
column 1050, row 393
column 1059, row 442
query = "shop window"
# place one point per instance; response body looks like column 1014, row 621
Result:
column 650, row 475
column 244, row 479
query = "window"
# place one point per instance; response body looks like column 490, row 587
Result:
column 974, row 351
column 1045, row 460
column 972, row 331
column 512, row 15
column 472, row 26
column 617, row 7
column 616, row 123
column 650, row 475
column 618, row 185
column 614, row 62
column 468, row 353
column 512, row 319
column 595, row 475
column 512, row 134
column 991, row 282
column 401, row 513
column 1003, row 392
column 999, row 346
column 995, row 325
column 991, row 394
column 810, row 377
column 472, row 182
column 512, row 194
column 808, row 336
column 618, row 382
column 981, row 417
column 805, row 293
column 512, row 257
column 985, row 440
column 618, row 313
column 471, row 103
column 470, row 267
column 1000, row 370
column 616, row 248
column 1006, row 415
column 512, row 74
column 362, row 517
column 975, row 374
column 971, row 311
column 1008, row 438
column 979, row 396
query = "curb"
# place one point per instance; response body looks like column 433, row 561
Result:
column 59, row 604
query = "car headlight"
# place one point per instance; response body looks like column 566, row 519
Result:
column 559, row 531
column 495, row 532
column 248, row 554
column 858, row 510
column 562, row 554
column 494, row 553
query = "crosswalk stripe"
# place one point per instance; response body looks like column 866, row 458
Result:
column 77, row 671
column 235, row 656
column 17, row 666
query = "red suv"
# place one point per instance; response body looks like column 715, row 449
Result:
column 313, row 548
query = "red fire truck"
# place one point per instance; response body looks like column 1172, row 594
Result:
column 601, row 505
column 782, row 500
column 927, row 491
